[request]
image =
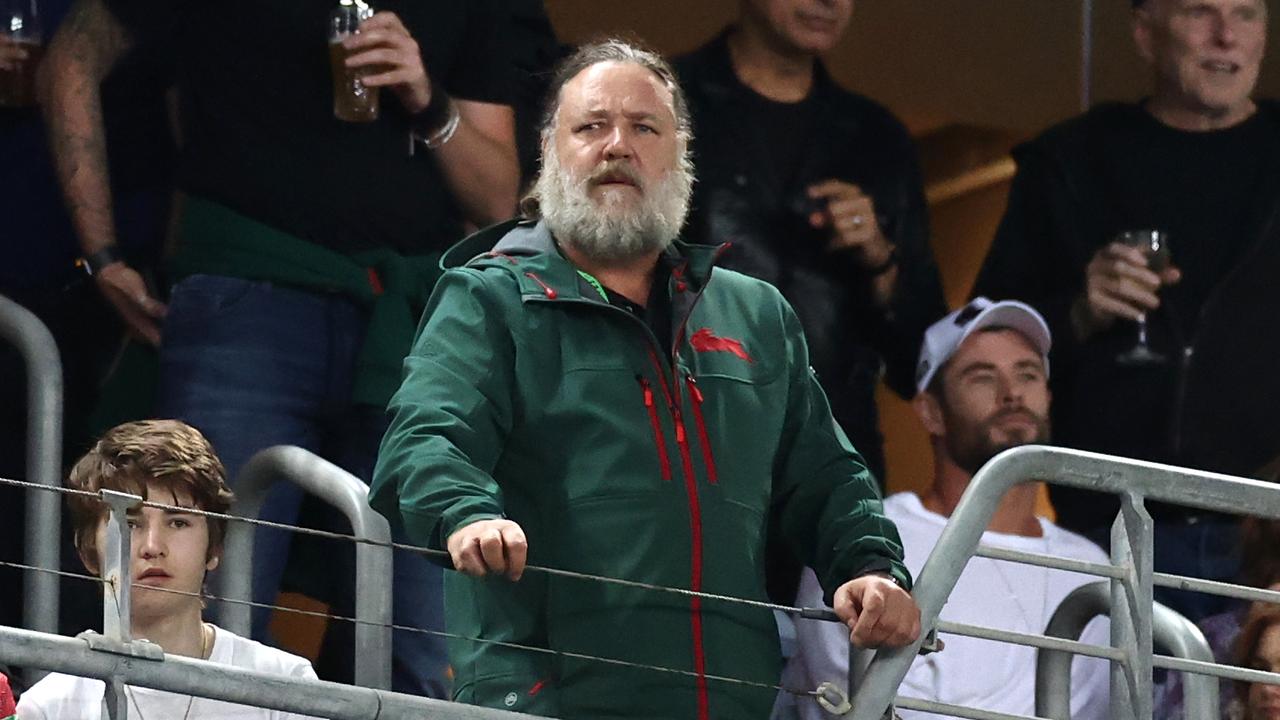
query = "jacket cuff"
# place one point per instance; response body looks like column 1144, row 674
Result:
column 895, row 570
column 453, row 521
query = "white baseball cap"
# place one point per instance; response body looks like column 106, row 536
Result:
column 943, row 337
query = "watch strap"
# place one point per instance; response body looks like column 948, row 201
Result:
column 93, row 263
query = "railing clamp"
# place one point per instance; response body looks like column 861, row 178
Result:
column 143, row 649
column 932, row 643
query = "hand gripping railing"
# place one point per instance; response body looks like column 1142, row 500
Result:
column 124, row 665
column 373, row 562
column 44, row 459
column 1170, row 632
column 1131, row 551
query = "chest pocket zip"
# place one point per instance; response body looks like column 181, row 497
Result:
column 658, row 440
column 704, row 439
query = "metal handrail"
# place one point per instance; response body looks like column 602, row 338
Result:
column 373, row 581
column 1170, row 631
column 44, row 459
column 1134, row 481
column 201, row 678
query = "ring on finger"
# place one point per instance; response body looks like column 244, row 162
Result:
column 857, row 221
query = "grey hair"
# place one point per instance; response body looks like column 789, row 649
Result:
column 620, row 51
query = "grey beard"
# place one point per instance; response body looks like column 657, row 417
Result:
column 607, row 233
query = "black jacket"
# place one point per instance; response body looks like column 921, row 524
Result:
column 735, row 200
column 1213, row 406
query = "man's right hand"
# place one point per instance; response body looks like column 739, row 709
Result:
column 124, row 288
column 1118, row 284
column 489, row 546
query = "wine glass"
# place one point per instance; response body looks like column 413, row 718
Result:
column 1154, row 244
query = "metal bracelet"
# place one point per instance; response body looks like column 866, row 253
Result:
column 446, row 131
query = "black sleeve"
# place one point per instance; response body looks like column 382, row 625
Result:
column 917, row 299
column 1022, row 263
column 483, row 69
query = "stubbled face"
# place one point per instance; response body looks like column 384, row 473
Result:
column 1264, row 700
column 1205, row 54
column 807, row 26
column 615, row 182
column 995, row 397
column 170, row 551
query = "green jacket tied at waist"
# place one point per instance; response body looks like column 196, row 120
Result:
column 216, row 240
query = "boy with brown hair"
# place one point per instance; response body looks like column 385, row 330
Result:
column 170, row 463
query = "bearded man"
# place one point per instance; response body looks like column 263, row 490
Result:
column 588, row 395
column 982, row 388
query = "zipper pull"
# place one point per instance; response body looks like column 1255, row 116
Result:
column 648, row 391
column 679, row 429
column 693, row 389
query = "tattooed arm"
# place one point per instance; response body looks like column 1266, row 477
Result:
column 82, row 52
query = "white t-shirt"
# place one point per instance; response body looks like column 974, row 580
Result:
column 991, row 593
column 68, row 697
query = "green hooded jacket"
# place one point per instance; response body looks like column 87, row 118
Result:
column 529, row 397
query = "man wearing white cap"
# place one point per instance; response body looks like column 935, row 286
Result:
column 982, row 387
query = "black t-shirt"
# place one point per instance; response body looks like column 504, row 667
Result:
column 779, row 135
column 257, row 116
column 1198, row 187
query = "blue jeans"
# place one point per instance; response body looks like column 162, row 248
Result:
column 1204, row 548
column 253, row 365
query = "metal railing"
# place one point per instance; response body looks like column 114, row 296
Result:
column 1170, row 632
column 134, row 665
column 115, row 658
column 373, row 579
column 1132, row 577
column 43, row 462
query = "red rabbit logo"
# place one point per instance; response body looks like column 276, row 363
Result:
column 706, row 341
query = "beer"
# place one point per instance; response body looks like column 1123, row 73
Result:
column 18, row 85
column 352, row 101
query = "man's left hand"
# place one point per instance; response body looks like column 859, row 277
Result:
column 850, row 214
column 385, row 49
column 877, row 612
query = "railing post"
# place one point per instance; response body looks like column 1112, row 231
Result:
column 44, row 460
column 117, row 590
column 373, row 562
column 1132, row 538
column 115, row 704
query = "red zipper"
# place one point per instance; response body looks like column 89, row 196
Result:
column 659, row 442
column 703, row 438
column 695, row 528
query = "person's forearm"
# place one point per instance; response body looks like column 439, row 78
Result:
column 482, row 172
column 883, row 287
column 79, row 57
